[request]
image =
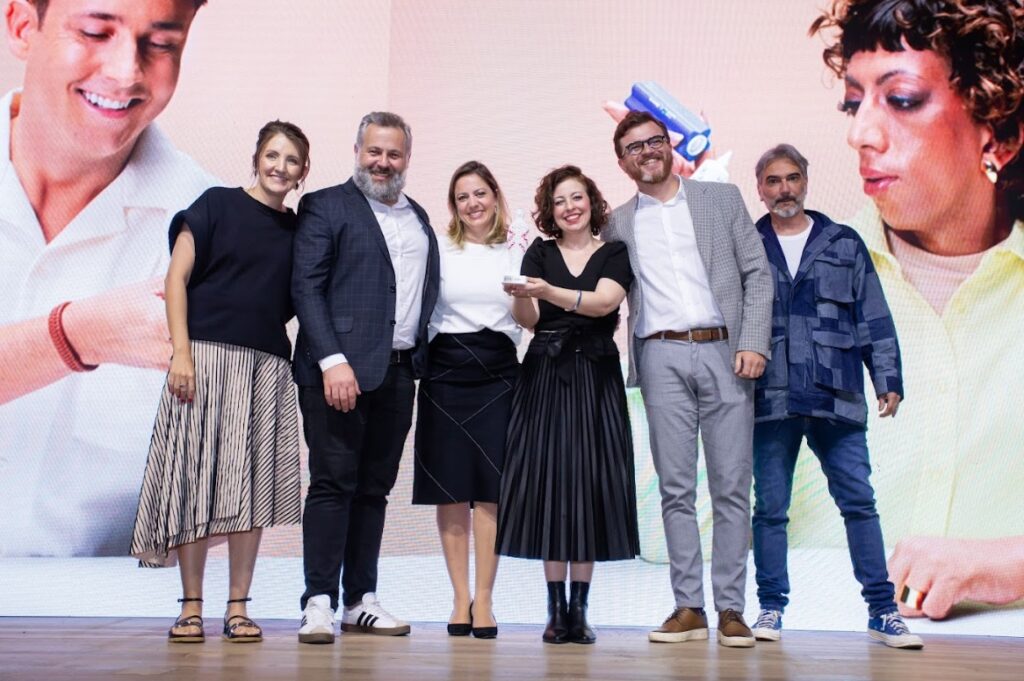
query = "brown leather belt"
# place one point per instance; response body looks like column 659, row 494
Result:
column 693, row 335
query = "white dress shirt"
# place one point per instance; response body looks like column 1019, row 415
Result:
column 408, row 247
column 72, row 453
column 471, row 297
column 676, row 292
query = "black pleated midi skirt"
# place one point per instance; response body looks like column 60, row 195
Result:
column 568, row 491
column 463, row 410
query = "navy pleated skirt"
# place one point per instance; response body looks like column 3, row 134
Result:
column 568, row 490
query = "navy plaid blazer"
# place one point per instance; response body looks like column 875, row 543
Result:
column 828, row 322
column 344, row 290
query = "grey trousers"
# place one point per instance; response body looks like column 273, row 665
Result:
column 689, row 387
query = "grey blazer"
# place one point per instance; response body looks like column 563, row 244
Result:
column 733, row 256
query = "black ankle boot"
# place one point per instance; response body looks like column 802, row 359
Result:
column 579, row 630
column 558, row 626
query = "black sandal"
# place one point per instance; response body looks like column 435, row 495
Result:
column 235, row 621
column 190, row 621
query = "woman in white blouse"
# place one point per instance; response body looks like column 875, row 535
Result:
column 464, row 399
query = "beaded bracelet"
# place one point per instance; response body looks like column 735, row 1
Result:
column 55, row 324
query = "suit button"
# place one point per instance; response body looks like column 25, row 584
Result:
column 392, row 322
column 392, row 288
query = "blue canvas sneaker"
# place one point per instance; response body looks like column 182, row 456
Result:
column 768, row 626
column 891, row 630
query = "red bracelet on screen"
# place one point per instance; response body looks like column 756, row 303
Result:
column 61, row 343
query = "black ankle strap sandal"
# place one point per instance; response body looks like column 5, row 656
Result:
column 235, row 621
column 190, row 621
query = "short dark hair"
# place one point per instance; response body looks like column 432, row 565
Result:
column 42, row 5
column 499, row 230
column 291, row 131
column 981, row 40
column 786, row 151
column 630, row 121
column 544, row 216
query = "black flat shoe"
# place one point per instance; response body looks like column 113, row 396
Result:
column 482, row 632
column 485, row 632
column 460, row 628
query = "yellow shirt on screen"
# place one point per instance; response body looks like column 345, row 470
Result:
column 951, row 463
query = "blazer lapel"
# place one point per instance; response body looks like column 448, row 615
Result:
column 365, row 216
column 625, row 229
column 703, row 220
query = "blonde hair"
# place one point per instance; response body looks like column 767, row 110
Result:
column 498, row 233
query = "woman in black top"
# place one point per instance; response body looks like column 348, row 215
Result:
column 567, row 489
column 224, row 457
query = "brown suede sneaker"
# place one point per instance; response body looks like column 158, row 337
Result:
column 684, row 624
column 733, row 631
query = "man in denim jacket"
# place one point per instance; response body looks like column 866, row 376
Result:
column 829, row 315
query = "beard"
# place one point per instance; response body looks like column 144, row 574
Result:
column 386, row 192
column 658, row 174
column 789, row 210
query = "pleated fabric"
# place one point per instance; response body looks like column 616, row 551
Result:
column 463, row 410
column 567, row 490
column 226, row 462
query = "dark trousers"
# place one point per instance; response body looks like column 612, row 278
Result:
column 353, row 464
column 843, row 452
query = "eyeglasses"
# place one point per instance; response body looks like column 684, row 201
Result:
column 652, row 143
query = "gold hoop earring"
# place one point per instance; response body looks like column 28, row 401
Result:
column 991, row 171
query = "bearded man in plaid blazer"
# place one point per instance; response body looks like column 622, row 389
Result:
column 699, row 322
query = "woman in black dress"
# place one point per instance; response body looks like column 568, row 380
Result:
column 224, row 457
column 567, row 492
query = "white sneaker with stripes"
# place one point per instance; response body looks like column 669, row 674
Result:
column 368, row 617
column 317, row 621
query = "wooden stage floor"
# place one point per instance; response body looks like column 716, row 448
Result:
column 118, row 648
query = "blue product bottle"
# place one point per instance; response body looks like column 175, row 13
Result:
column 650, row 97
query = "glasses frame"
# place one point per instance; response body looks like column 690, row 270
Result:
column 653, row 143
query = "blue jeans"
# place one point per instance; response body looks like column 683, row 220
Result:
column 843, row 452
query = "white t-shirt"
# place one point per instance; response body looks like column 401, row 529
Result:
column 72, row 453
column 471, row 297
column 793, row 247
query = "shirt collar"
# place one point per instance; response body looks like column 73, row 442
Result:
column 648, row 201
column 868, row 223
column 156, row 177
column 378, row 207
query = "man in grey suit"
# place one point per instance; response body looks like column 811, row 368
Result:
column 699, row 325
column 364, row 283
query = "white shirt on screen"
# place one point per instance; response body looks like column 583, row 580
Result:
column 677, row 294
column 408, row 247
column 793, row 247
column 72, row 453
column 471, row 297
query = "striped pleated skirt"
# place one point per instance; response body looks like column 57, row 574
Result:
column 567, row 489
column 226, row 462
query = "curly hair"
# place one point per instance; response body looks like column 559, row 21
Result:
column 544, row 216
column 982, row 40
